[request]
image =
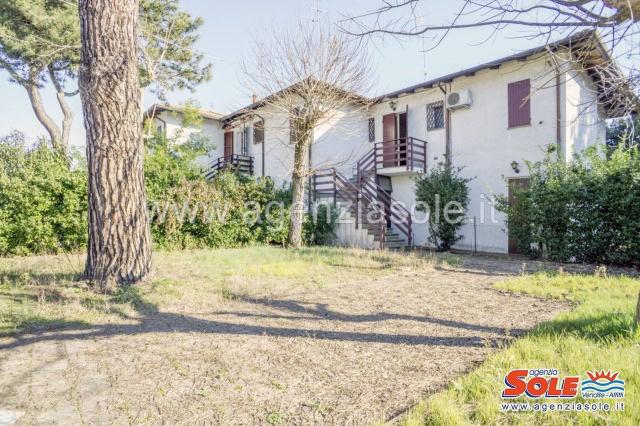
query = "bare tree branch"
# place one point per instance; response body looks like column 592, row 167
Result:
column 307, row 75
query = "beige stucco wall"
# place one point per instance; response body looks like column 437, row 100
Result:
column 339, row 142
column 485, row 147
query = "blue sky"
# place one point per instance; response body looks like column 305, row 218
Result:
column 227, row 35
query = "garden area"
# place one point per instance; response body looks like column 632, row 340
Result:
column 274, row 336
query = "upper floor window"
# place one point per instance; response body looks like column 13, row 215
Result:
column 519, row 94
column 372, row 130
column 258, row 132
column 435, row 115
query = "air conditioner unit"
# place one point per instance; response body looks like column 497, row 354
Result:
column 461, row 99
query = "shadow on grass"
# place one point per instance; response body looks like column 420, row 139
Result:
column 162, row 322
column 34, row 328
column 322, row 312
column 29, row 292
column 602, row 327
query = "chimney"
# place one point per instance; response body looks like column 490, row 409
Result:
column 254, row 98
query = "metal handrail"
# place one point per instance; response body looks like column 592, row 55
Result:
column 398, row 214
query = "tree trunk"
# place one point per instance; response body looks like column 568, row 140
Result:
column 67, row 112
column 52, row 128
column 299, row 175
column 119, row 250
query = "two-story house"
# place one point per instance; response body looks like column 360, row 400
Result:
column 487, row 119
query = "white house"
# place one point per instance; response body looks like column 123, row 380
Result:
column 169, row 121
column 488, row 119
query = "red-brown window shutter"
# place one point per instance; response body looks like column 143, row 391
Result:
column 519, row 103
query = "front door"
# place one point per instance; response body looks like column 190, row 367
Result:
column 514, row 185
column 228, row 144
column 389, row 140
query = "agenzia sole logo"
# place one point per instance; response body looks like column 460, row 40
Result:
column 535, row 384
column 559, row 391
column 547, row 383
column 602, row 385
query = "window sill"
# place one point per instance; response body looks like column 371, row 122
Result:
column 519, row 126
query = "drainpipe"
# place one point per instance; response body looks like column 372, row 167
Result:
column 447, row 129
column 558, row 113
column 264, row 138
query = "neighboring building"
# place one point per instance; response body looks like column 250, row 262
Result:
column 168, row 120
column 488, row 119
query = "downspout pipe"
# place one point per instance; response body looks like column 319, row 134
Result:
column 264, row 138
column 558, row 112
column 447, row 128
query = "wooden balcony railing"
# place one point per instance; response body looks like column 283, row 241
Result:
column 409, row 153
column 238, row 163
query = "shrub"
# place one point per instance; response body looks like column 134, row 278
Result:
column 168, row 163
column 43, row 199
column 189, row 212
column 585, row 211
column 444, row 195
column 319, row 226
column 232, row 211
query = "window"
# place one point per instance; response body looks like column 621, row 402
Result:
column 258, row 132
column 244, row 147
column 435, row 115
column 372, row 130
column 519, row 103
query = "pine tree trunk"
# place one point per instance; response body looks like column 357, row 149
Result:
column 55, row 135
column 299, row 175
column 119, row 250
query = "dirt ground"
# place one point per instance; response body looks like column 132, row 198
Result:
column 350, row 353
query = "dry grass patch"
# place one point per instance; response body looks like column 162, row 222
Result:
column 252, row 336
column 45, row 292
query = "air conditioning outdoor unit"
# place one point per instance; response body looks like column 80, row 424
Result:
column 461, row 99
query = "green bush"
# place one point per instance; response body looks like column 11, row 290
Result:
column 43, row 199
column 188, row 212
column 232, row 211
column 320, row 225
column 444, row 195
column 584, row 211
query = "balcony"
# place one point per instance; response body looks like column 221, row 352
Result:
column 403, row 156
column 236, row 163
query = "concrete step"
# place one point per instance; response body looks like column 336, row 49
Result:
column 395, row 245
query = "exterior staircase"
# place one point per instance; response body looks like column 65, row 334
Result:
column 363, row 211
column 380, row 221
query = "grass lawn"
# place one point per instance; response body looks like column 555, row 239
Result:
column 598, row 334
column 232, row 333
column 44, row 292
